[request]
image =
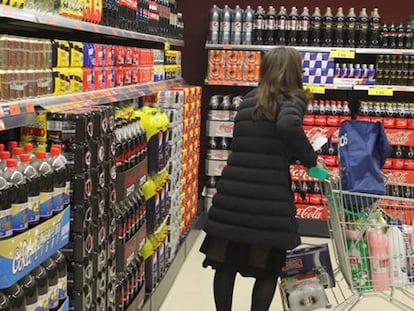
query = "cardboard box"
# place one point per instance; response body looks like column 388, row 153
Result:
column 215, row 167
column 220, row 128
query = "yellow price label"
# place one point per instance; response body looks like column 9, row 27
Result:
column 167, row 45
column 316, row 88
column 380, row 91
column 343, row 53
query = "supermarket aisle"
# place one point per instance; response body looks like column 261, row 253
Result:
column 193, row 288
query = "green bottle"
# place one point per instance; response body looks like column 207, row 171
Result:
column 358, row 260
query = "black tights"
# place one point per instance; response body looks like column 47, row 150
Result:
column 262, row 296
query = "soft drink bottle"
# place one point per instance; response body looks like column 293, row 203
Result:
column 392, row 37
column 316, row 27
column 33, row 189
column 259, row 26
column 212, row 143
column 60, row 261
column 46, row 184
column 398, row 257
column 4, row 156
column 351, row 27
column 64, row 161
column 59, row 179
column 215, row 102
column 282, row 21
column 400, row 38
column 408, row 37
column 305, row 24
column 293, row 26
column 28, row 149
column 214, row 27
column 236, row 26
column 4, row 303
column 226, row 103
column 248, row 21
column 6, row 229
column 339, row 28
column 18, row 196
column 28, row 284
column 225, row 25
column 363, row 28
column 11, row 145
column 384, row 36
column 52, row 276
column 15, row 294
column 17, row 152
column 270, row 26
column 42, row 283
column 358, row 260
column 379, row 257
column 374, row 28
column 328, row 20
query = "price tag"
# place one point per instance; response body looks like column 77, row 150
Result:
column 343, row 53
column 380, row 91
column 316, row 88
column 14, row 109
column 167, row 45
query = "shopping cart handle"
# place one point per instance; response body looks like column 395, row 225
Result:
column 318, row 173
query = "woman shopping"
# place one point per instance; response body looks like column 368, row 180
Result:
column 252, row 222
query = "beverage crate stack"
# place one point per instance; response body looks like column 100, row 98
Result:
column 172, row 103
column 190, row 156
column 87, row 143
column 220, row 123
column 126, row 289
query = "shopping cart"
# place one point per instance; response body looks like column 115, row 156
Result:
column 358, row 223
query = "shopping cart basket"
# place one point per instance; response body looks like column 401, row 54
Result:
column 373, row 245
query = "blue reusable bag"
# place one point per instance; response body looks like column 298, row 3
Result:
column 363, row 149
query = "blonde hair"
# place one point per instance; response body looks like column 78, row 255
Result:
column 280, row 76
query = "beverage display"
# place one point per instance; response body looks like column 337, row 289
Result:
column 29, row 286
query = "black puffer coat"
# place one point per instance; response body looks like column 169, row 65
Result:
column 254, row 200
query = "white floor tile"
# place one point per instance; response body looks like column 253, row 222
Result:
column 193, row 288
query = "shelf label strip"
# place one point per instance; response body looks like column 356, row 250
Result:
column 380, row 91
column 316, row 88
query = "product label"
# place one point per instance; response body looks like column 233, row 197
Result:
column 53, row 296
column 32, row 307
column 43, row 302
column 6, row 223
column 58, row 198
column 380, row 265
column 33, row 208
column 62, row 288
column 46, row 204
column 19, row 215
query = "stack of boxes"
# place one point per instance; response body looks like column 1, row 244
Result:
column 87, row 140
column 233, row 66
column 172, row 103
column 190, row 156
column 318, row 68
column 173, row 65
column 159, row 68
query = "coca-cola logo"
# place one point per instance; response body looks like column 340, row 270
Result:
column 293, row 264
column 299, row 173
column 399, row 137
column 397, row 177
column 226, row 128
column 311, row 212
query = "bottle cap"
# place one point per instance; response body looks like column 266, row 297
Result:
column 54, row 151
column 28, row 147
column 41, row 155
column 12, row 145
column 17, row 151
column 1, row 147
column 5, row 155
column 11, row 162
column 25, row 158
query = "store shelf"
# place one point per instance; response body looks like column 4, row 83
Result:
column 231, row 83
column 375, row 51
column 60, row 22
column 99, row 97
column 394, row 88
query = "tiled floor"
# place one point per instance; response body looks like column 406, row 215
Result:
column 193, row 289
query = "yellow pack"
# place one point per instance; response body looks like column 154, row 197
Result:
column 62, row 53
column 76, row 80
column 61, row 77
column 76, row 54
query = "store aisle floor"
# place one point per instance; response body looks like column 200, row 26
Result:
column 193, row 288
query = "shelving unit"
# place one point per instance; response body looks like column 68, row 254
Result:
column 346, row 89
column 30, row 19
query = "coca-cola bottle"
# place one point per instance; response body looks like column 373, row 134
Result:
column 270, row 25
column 293, row 26
column 316, row 26
column 374, row 29
column 339, row 28
column 282, row 20
column 363, row 27
column 392, row 37
column 351, row 26
column 225, row 25
column 328, row 21
column 384, row 36
column 408, row 37
column 305, row 24
column 226, row 103
column 224, row 143
column 212, row 143
column 400, row 38
column 259, row 26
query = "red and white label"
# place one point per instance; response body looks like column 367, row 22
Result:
column 311, row 212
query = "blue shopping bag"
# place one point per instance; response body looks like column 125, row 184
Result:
column 363, row 149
